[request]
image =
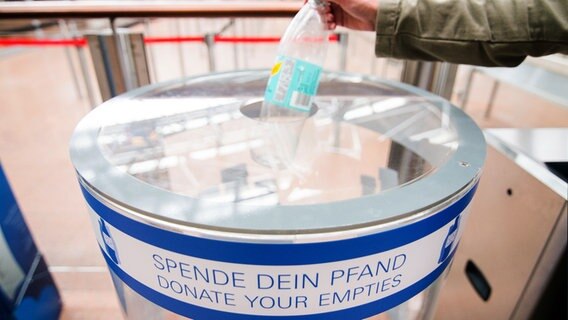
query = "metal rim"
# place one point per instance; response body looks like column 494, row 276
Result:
column 445, row 184
column 273, row 236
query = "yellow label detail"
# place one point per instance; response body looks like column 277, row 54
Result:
column 276, row 68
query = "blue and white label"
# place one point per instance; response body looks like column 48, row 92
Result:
column 450, row 240
column 350, row 278
column 108, row 242
column 293, row 83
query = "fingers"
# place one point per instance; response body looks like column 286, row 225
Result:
column 337, row 15
column 328, row 15
column 330, row 19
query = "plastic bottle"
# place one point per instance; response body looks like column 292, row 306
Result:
column 292, row 85
column 295, row 75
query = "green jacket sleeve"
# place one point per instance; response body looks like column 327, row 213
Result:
column 479, row 32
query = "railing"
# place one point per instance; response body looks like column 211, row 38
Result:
column 127, row 53
column 442, row 76
column 137, row 9
column 81, row 42
column 115, row 62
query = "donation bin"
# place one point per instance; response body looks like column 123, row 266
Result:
column 359, row 221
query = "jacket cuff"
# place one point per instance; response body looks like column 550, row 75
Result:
column 386, row 26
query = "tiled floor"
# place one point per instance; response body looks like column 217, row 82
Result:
column 39, row 108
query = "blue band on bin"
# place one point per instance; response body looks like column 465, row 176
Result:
column 200, row 313
column 278, row 254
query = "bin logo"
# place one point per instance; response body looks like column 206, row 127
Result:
column 450, row 239
column 110, row 247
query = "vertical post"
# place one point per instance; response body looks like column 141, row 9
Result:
column 496, row 84
column 343, row 40
column 181, row 54
column 435, row 77
column 66, row 34
column 210, row 43
column 417, row 73
column 467, row 88
column 246, row 49
column 151, row 53
column 444, row 79
column 236, row 47
column 120, row 62
column 106, row 64
column 126, row 64
column 83, row 65
column 139, row 59
column 86, row 76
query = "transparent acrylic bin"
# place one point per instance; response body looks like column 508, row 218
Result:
column 359, row 221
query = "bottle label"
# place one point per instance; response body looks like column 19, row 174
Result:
column 323, row 278
column 293, row 83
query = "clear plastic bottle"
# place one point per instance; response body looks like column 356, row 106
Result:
column 292, row 85
column 295, row 75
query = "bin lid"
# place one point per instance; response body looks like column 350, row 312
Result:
column 185, row 153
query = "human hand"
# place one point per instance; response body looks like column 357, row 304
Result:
column 352, row 14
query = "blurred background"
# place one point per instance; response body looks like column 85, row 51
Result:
column 48, row 82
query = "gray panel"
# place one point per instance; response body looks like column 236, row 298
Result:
column 505, row 237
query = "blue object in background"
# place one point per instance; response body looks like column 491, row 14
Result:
column 27, row 290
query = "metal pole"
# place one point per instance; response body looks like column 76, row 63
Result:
column 246, row 49
column 66, row 34
column 112, row 25
column 491, row 103
column 467, row 88
column 151, row 53
column 125, row 57
column 417, row 73
column 343, row 39
column 435, row 77
column 84, row 67
column 181, row 54
column 139, row 59
column 236, row 47
column 120, row 62
column 86, row 76
column 210, row 43
column 126, row 62
column 444, row 79
column 147, row 9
